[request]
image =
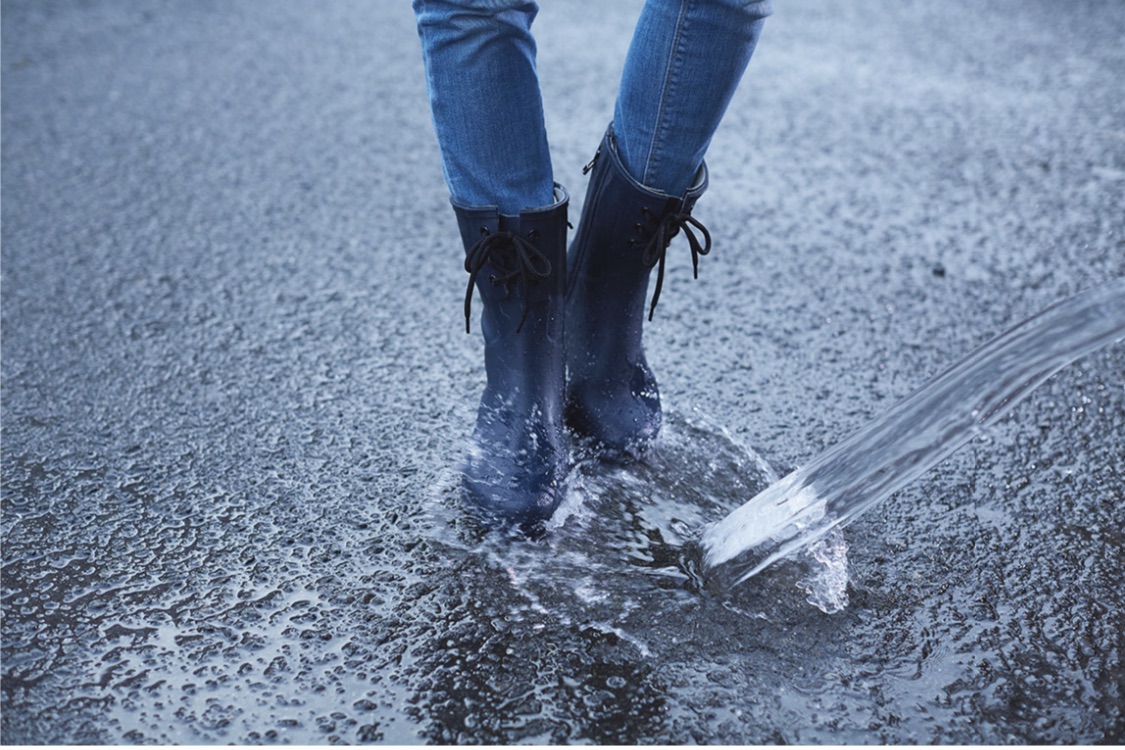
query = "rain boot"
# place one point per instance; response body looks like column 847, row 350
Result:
column 625, row 230
column 514, row 473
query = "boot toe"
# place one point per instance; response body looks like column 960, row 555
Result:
column 621, row 425
column 521, row 487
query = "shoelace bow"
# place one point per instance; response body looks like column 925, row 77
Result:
column 657, row 247
column 514, row 257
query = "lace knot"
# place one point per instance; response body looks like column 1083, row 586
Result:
column 657, row 247
column 513, row 257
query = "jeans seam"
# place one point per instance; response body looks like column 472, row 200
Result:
column 675, row 63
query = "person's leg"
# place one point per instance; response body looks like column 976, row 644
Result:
column 484, row 97
column 683, row 66
column 488, row 116
column 685, row 61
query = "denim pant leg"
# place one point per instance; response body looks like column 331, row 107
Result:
column 684, row 63
column 485, row 101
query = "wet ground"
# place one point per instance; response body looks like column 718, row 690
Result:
column 235, row 379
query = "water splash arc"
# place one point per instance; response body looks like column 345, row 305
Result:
column 914, row 435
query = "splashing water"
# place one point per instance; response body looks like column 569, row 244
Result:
column 827, row 583
column 807, row 505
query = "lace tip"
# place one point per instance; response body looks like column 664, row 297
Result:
column 586, row 169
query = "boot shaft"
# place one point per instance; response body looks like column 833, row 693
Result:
column 608, row 268
column 518, row 266
column 537, row 234
column 620, row 209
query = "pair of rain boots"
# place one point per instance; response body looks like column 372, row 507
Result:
column 539, row 322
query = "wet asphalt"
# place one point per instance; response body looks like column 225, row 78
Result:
column 235, row 378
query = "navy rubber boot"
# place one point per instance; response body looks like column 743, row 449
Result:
column 516, row 467
column 612, row 396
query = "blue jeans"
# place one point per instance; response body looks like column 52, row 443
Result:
column 684, row 63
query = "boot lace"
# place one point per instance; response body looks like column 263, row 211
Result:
column 657, row 247
column 514, row 258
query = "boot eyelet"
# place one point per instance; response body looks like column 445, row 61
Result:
column 533, row 234
column 484, row 231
